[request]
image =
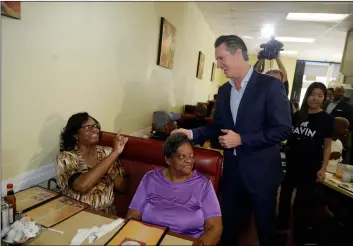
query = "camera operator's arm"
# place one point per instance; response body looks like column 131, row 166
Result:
column 281, row 67
column 259, row 65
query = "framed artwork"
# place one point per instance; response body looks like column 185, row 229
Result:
column 200, row 65
column 11, row 9
column 213, row 72
column 166, row 48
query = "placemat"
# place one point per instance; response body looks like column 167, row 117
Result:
column 32, row 197
column 56, row 211
column 70, row 227
column 171, row 240
column 140, row 232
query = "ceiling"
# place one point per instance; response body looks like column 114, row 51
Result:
column 247, row 19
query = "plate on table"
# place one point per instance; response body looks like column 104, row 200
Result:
column 22, row 239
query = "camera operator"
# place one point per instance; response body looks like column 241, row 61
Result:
column 280, row 73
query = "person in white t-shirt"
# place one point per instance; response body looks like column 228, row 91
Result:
column 341, row 130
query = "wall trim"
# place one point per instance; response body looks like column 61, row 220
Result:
column 43, row 173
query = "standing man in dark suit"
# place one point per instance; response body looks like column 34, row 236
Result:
column 338, row 107
column 252, row 117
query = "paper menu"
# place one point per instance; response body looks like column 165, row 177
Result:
column 56, row 211
column 171, row 240
column 138, row 233
column 31, row 197
column 71, row 226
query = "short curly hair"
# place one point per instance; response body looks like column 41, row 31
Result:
column 68, row 140
column 173, row 142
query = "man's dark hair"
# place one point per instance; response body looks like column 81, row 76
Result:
column 173, row 142
column 330, row 89
column 233, row 43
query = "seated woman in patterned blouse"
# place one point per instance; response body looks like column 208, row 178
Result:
column 86, row 171
column 178, row 196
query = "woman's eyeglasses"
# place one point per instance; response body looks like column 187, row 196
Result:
column 87, row 128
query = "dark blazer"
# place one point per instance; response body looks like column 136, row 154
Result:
column 343, row 109
column 263, row 122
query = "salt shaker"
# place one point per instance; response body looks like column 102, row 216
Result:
column 19, row 215
column 5, row 222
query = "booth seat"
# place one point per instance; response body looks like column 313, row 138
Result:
column 141, row 155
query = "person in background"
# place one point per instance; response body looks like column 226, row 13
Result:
column 178, row 196
column 308, row 151
column 86, row 171
column 164, row 123
column 211, row 106
column 280, row 73
column 340, row 135
column 251, row 119
column 295, row 105
column 199, row 119
column 330, row 95
column 338, row 107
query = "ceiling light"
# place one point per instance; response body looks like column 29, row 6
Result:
column 248, row 37
column 296, row 40
column 267, row 31
column 289, row 52
column 325, row 17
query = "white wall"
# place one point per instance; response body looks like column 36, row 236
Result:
column 100, row 57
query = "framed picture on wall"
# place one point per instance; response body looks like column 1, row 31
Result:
column 166, row 48
column 200, row 65
column 11, row 9
column 213, row 71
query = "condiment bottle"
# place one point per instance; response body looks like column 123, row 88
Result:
column 4, row 214
column 11, row 200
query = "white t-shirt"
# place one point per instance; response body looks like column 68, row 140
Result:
column 336, row 146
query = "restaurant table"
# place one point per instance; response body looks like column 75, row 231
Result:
column 339, row 204
column 333, row 183
column 46, row 238
column 171, row 233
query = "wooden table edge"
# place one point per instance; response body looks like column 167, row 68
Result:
column 330, row 184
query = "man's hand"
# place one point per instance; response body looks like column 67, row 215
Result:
column 182, row 130
column 230, row 140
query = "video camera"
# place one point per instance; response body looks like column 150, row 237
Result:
column 270, row 49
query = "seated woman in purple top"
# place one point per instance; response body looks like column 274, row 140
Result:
column 178, row 196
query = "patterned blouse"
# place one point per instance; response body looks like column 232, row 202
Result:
column 100, row 197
